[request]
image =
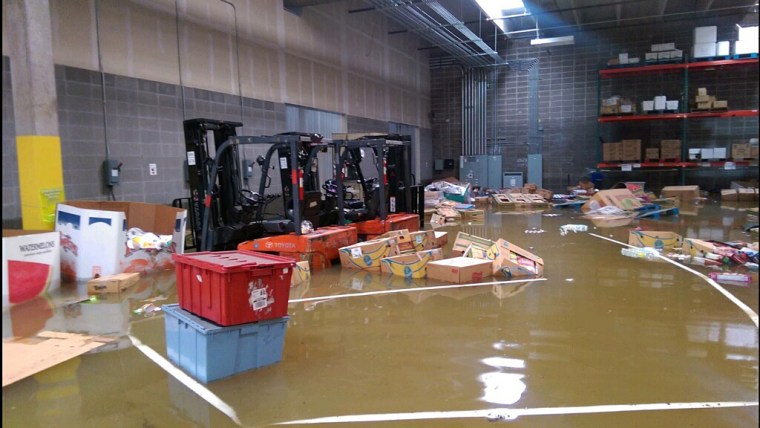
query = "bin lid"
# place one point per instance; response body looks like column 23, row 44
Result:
column 229, row 261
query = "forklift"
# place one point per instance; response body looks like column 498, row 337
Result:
column 306, row 231
column 380, row 195
column 228, row 216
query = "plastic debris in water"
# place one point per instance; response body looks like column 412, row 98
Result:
column 534, row 230
column 641, row 253
column 727, row 276
column 147, row 309
column 564, row 230
column 552, row 215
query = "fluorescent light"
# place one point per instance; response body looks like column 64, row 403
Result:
column 495, row 9
column 553, row 41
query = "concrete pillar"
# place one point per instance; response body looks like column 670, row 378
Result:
column 35, row 110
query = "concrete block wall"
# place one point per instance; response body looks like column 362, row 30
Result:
column 568, row 104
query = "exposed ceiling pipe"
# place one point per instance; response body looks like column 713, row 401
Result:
column 439, row 27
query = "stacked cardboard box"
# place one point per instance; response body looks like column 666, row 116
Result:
column 705, row 42
column 659, row 103
column 612, row 152
column 747, row 42
column 631, row 150
column 617, row 105
column 663, row 52
column 704, row 101
column 652, row 153
column 670, row 149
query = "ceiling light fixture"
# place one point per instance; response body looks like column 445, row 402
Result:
column 553, row 41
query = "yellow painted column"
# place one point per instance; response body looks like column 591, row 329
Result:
column 40, row 175
column 35, row 110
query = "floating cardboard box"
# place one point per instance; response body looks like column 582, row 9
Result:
column 747, row 194
column 621, row 198
column 403, row 240
column 655, row 239
column 683, row 193
column 441, row 238
column 31, row 264
column 112, row 283
column 510, row 260
column 367, row 255
column 464, row 241
column 413, row 265
column 729, row 195
column 94, row 241
column 460, row 270
column 301, row 273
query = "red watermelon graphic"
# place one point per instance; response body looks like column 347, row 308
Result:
column 27, row 280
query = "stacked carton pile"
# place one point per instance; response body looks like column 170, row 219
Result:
column 704, row 101
column 617, row 105
column 663, row 52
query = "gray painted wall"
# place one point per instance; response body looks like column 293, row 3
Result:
column 143, row 125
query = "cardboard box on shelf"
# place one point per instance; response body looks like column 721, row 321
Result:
column 702, row 98
column 684, row 193
column 671, row 105
column 631, row 150
column 31, row 264
column 743, row 47
column 740, row 151
column 650, row 56
column 112, row 283
column 720, row 153
column 612, row 151
column 704, row 50
column 367, row 255
column 660, row 102
column 704, row 106
column 647, row 105
column 707, row 34
column 695, row 154
column 707, row 154
column 460, row 270
column 720, row 104
column 94, row 240
column 749, row 33
column 609, row 109
column 652, row 153
column 723, row 48
column 670, row 149
column 412, row 265
column 623, row 58
column 747, row 194
column 620, row 198
column 753, row 151
column 701, row 91
column 655, row 239
column 663, row 55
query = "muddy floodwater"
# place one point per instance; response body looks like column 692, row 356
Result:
column 603, row 340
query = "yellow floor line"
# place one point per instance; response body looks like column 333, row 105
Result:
column 747, row 310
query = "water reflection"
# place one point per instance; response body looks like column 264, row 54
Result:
column 501, row 387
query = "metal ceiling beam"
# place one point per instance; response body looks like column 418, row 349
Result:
column 704, row 5
column 661, row 6
column 637, row 18
column 437, row 25
column 619, row 13
column 576, row 12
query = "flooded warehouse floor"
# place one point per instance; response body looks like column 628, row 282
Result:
column 603, row 340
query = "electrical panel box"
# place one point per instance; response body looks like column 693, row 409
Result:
column 247, row 169
column 111, row 172
column 481, row 170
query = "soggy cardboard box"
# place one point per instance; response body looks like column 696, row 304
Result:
column 424, row 240
column 403, row 240
column 747, row 194
column 413, row 265
column 31, row 264
column 683, row 193
column 510, row 260
column 301, row 273
column 94, row 241
column 621, row 198
column 465, row 240
column 460, row 270
column 441, row 238
column 661, row 240
column 367, row 255
column 729, row 195
column 112, row 283
column 699, row 248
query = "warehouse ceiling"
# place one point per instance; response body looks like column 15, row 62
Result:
column 463, row 31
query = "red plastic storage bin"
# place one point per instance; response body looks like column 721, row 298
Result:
column 233, row 287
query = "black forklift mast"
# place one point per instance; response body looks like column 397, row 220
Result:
column 224, row 205
column 348, row 155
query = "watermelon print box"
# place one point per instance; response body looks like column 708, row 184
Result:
column 31, row 264
column 94, row 241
